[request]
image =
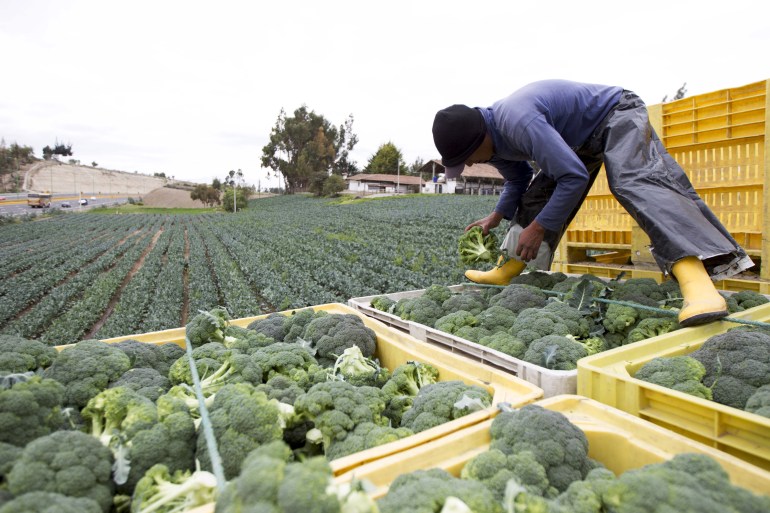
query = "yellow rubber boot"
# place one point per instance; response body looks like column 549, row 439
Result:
column 702, row 302
column 501, row 274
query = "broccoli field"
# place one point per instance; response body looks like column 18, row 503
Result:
column 73, row 277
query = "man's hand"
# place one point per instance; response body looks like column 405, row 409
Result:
column 489, row 222
column 529, row 241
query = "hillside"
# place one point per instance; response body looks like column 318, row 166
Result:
column 60, row 178
column 166, row 197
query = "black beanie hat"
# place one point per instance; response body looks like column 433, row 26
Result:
column 457, row 132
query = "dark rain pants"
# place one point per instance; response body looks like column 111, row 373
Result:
column 652, row 187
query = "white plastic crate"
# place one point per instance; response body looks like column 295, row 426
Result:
column 553, row 382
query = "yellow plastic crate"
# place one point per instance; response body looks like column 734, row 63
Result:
column 620, row 441
column 607, row 377
column 394, row 349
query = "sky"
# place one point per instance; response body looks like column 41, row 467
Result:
column 192, row 89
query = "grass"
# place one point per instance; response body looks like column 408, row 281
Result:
column 141, row 209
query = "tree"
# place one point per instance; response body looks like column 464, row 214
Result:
column 333, row 185
column 215, row 183
column 94, row 164
column 387, row 160
column 414, row 169
column 305, row 144
column 207, row 194
column 65, row 150
column 241, row 198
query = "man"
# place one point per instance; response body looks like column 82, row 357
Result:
column 570, row 129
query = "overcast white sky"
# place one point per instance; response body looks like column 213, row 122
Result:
column 193, row 88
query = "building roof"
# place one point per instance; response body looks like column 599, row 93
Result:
column 477, row 171
column 400, row 179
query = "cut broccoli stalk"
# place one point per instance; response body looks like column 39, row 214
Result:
column 475, row 247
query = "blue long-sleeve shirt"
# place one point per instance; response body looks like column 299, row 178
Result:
column 546, row 121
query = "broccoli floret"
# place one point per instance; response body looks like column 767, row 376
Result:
column 19, row 354
column 452, row 322
column 404, row 385
column 496, row 319
column 681, row 373
column 737, row 364
column 474, row 247
column 129, row 425
column 207, row 327
column 87, row 368
column 271, row 326
column 427, row 491
column 519, row 297
column 308, row 486
column 422, row 310
column 145, row 381
column 358, row 370
column 242, row 419
column 337, row 407
column 49, row 502
column 30, row 409
column 442, row 402
column 9, row 453
column 505, row 343
column 365, row 436
column 673, row 293
column 759, row 401
column 438, row 293
column 208, row 358
column 217, row 366
column 67, row 462
column 555, row 318
column 383, row 303
column 652, row 327
column 470, row 301
column 555, row 352
column 557, row 444
column 164, row 490
column 331, row 334
column 749, row 299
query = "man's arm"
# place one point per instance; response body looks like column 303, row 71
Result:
column 517, row 175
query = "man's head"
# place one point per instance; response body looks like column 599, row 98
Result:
column 458, row 131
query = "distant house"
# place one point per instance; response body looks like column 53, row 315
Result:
column 479, row 179
column 381, row 183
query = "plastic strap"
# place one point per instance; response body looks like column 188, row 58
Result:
column 208, row 430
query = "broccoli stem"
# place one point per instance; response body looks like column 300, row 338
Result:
column 200, row 482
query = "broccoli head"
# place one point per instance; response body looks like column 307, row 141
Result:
column 165, row 490
column 87, row 368
column 652, row 327
column 383, row 303
column 470, row 301
column 494, row 468
column 30, row 409
column 442, row 402
column 438, row 293
column 681, row 373
column 207, row 326
column 50, row 502
column 271, row 326
column 452, row 322
column 505, row 343
column 422, row 310
column 759, row 401
column 281, row 388
column 365, row 436
column 404, row 385
column 474, row 247
column 519, row 297
column 496, row 319
column 539, row 279
column 294, row 324
column 18, row 354
column 67, row 462
column 555, row 352
column 145, row 381
column 749, row 299
column 245, row 340
column 737, row 363
column 282, row 358
column 631, row 289
column 352, row 366
column 428, row 491
column 150, row 356
column 557, row 444
column 242, row 419
column 555, row 318
column 337, row 407
column 331, row 334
